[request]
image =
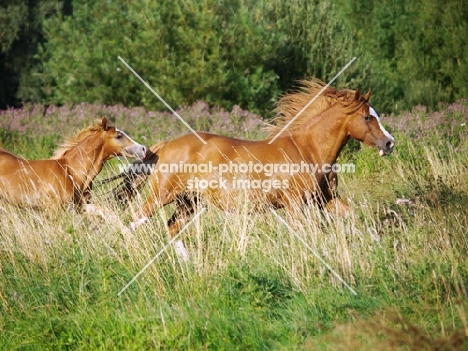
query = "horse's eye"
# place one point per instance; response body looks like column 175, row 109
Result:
column 119, row 136
column 367, row 118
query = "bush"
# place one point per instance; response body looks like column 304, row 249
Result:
column 223, row 52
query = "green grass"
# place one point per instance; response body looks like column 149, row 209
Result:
column 250, row 284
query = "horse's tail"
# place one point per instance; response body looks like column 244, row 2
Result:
column 135, row 177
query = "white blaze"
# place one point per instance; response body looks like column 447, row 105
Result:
column 372, row 112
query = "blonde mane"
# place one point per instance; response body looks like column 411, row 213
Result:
column 290, row 105
column 72, row 141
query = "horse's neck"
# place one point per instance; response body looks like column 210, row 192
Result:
column 84, row 161
column 324, row 137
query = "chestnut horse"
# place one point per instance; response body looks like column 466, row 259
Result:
column 65, row 178
column 272, row 171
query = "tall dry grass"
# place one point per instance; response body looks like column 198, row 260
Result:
column 250, row 283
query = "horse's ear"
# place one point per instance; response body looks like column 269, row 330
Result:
column 367, row 96
column 357, row 95
column 104, row 125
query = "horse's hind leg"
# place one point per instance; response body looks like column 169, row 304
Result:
column 185, row 208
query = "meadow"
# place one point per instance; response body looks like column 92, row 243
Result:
column 250, row 284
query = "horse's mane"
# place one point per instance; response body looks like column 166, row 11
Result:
column 291, row 104
column 72, row 141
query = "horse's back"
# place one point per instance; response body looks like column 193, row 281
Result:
column 215, row 148
column 31, row 182
column 209, row 140
column 5, row 154
column 8, row 161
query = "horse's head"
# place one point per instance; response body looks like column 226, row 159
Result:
column 117, row 143
column 366, row 127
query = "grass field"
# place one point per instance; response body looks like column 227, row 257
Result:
column 250, row 284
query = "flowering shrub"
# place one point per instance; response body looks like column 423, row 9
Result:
column 136, row 121
column 449, row 124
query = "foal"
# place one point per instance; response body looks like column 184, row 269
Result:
column 65, row 178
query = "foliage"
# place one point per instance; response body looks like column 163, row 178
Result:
column 20, row 34
column 224, row 52
column 417, row 49
column 231, row 52
column 36, row 119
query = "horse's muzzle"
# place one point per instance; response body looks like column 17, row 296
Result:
column 387, row 148
column 137, row 151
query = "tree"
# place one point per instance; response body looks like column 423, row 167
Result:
column 21, row 32
column 224, row 52
column 418, row 49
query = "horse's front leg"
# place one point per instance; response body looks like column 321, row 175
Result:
column 145, row 212
column 82, row 203
column 333, row 203
column 106, row 214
